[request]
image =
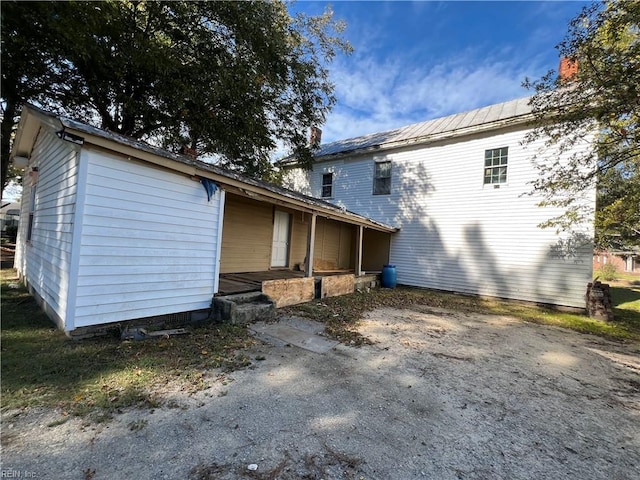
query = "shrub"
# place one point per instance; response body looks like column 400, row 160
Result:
column 608, row 272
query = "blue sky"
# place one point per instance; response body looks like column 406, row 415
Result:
column 414, row 61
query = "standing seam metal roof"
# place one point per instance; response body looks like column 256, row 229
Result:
column 497, row 113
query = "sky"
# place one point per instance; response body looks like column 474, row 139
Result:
column 415, row 61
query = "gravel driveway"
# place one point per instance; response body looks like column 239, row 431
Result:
column 439, row 395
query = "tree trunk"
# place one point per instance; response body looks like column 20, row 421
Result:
column 6, row 129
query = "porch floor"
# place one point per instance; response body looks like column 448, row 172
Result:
column 231, row 283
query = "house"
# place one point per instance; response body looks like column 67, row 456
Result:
column 115, row 230
column 9, row 218
column 623, row 260
column 457, row 187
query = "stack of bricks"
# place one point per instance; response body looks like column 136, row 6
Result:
column 599, row 301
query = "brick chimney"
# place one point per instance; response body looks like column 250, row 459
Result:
column 568, row 70
column 315, row 137
column 189, row 152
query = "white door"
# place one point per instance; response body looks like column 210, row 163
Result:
column 280, row 248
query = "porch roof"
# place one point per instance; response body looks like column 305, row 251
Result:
column 33, row 118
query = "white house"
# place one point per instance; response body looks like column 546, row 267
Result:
column 9, row 216
column 457, row 187
column 114, row 230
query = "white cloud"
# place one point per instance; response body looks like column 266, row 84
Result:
column 374, row 96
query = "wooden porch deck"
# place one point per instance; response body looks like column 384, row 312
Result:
column 231, row 283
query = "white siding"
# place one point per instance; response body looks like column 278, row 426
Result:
column 149, row 242
column 458, row 234
column 45, row 261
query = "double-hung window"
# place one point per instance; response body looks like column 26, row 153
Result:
column 327, row 185
column 495, row 166
column 382, row 178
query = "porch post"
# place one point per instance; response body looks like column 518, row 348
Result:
column 311, row 241
column 359, row 250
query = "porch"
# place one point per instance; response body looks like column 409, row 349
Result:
column 288, row 287
column 232, row 283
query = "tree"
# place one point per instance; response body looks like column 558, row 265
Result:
column 617, row 218
column 25, row 67
column 601, row 100
column 228, row 79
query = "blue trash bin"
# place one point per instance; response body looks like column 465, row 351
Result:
column 389, row 276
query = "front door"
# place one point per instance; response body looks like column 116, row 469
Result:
column 280, row 248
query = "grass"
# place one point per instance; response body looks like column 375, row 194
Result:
column 625, row 295
column 43, row 367
column 95, row 378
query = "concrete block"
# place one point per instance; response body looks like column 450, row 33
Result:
column 290, row 291
column 335, row 285
column 243, row 308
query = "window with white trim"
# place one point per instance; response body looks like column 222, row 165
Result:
column 327, row 185
column 495, row 166
column 382, row 178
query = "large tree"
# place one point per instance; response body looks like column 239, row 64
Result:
column 26, row 66
column 618, row 208
column 602, row 100
column 227, row 79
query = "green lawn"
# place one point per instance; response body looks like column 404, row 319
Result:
column 43, row 367
column 625, row 296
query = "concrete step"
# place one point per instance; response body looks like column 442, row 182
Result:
column 248, row 297
column 243, row 308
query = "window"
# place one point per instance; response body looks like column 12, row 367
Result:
column 32, row 209
column 495, row 166
column 327, row 185
column 382, row 178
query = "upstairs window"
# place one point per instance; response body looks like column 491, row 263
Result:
column 327, row 185
column 495, row 166
column 382, row 178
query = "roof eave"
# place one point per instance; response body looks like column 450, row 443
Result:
column 194, row 168
column 27, row 131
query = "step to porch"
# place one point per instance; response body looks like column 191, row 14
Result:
column 243, row 308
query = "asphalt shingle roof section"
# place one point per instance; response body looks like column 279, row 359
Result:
column 143, row 146
column 499, row 113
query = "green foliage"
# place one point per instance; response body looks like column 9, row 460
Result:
column 229, row 79
column 601, row 102
column 607, row 272
column 25, row 67
column 618, row 207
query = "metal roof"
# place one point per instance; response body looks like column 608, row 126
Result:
column 323, row 207
column 480, row 119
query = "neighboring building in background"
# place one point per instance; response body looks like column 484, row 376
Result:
column 457, row 187
column 9, row 219
column 627, row 261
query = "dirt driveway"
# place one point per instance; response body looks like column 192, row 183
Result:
column 438, row 395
